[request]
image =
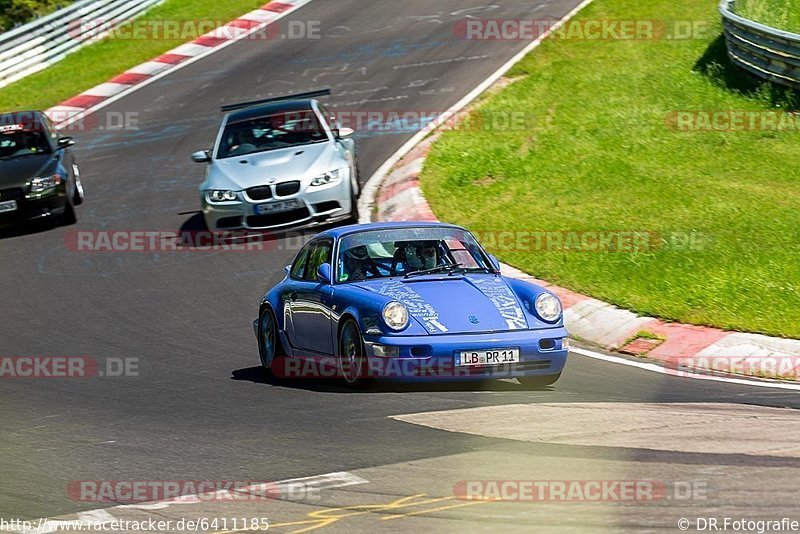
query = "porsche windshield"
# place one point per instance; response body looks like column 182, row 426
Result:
column 271, row 132
column 408, row 252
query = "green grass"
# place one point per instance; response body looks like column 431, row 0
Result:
column 103, row 60
column 782, row 14
column 601, row 157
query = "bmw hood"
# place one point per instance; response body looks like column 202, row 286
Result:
column 17, row 172
column 296, row 163
column 456, row 305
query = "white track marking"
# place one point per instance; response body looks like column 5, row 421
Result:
column 655, row 368
column 338, row 479
column 370, row 189
column 271, row 19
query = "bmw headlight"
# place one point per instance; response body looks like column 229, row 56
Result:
column 395, row 315
column 220, row 196
column 44, row 183
column 548, row 307
column 325, row 179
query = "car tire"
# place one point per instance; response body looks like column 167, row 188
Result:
column 68, row 218
column 352, row 356
column 74, row 198
column 538, row 382
column 269, row 340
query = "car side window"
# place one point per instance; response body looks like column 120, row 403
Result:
column 299, row 266
column 50, row 131
column 320, row 253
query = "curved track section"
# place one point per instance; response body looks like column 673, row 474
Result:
column 199, row 408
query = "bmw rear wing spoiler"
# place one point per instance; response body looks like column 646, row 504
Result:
column 298, row 96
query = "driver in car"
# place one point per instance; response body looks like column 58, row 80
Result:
column 415, row 256
column 358, row 265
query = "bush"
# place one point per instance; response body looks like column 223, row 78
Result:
column 14, row 12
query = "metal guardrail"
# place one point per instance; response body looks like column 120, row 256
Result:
column 767, row 52
column 38, row 44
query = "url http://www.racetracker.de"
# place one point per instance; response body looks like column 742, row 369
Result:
column 200, row 524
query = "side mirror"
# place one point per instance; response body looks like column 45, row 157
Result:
column 201, row 156
column 324, row 273
column 65, row 142
column 342, row 133
column 495, row 262
column 287, row 269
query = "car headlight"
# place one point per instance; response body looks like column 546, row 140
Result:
column 44, row 183
column 220, row 196
column 548, row 307
column 325, row 179
column 395, row 315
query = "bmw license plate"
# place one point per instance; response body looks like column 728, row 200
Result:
column 467, row 358
column 9, row 205
column 281, row 205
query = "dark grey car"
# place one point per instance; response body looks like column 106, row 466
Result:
column 39, row 176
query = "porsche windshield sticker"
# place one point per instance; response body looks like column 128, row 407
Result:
column 504, row 300
column 415, row 303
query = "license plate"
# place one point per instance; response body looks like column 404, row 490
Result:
column 468, row 358
column 274, row 207
column 9, row 205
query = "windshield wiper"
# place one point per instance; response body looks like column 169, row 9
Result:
column 438, row 269
column 475, row 269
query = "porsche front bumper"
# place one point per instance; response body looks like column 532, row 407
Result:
column 542, row 352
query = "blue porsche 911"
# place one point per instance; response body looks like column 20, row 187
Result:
column 407, row 301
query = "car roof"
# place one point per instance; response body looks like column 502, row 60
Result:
column 22, row 113
column 17, row 117
column 342, row 231
column 31, row 121
column 283, row 106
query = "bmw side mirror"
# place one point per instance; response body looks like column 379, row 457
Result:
column 343, row 133
column 201, row 156
column 495, row 262
column 287, row 269
column 65, row 142
column 324, row 273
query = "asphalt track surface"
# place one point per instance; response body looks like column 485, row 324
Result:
column 200, row 409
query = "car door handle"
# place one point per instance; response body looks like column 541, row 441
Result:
column 293, row 296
